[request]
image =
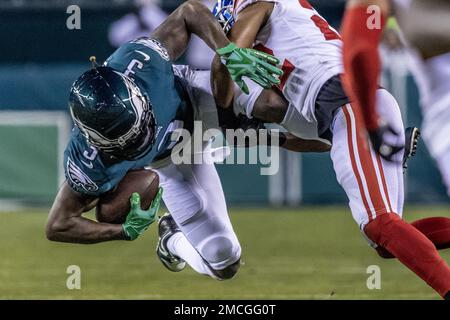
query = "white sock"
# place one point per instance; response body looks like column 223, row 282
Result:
column 180, row 246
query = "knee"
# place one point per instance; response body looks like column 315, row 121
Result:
column 219, row 251
column 377, row 229
column 228, row 272
column 389, row 109
column 381, row 225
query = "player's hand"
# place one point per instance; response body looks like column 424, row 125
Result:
column 385, row 142
column 258, row 66
column 139, row 220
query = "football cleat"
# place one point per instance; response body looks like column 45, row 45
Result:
column 412, row 135
column 167, row 227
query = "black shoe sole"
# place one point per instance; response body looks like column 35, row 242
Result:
column 412, row 136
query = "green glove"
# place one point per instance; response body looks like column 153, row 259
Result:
column 139, row 220
column 254, row 64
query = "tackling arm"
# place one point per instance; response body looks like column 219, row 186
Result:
column 192, row 17
column 293, row 143
column 66, row 224
column 243, row 33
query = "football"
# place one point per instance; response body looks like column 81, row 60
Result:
column 114, row 206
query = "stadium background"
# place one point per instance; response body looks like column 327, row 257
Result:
column 40, row 58
column 39, row 61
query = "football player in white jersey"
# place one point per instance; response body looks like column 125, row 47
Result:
column 426, row 24
column 310, row 103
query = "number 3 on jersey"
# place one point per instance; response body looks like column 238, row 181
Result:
column 136, row 63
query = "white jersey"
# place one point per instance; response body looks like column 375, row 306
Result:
column 309, row 49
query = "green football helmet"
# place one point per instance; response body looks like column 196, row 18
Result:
column 112, row 113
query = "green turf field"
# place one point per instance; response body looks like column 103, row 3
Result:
column 312, row 253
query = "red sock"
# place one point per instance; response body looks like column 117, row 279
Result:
column 412, row 248
column 437, row 229
column 362, row 62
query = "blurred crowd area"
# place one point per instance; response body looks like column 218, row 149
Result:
column 35, row 30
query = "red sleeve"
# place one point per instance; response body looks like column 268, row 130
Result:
column 362, row 62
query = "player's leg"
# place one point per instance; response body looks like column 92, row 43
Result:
column 436, row 112
column 375, row 191
column 437, row 229
column 194, row 197
column 433, row 77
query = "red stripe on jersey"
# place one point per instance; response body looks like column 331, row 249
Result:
column 262, row 48
column 353, row 161
column 305, row 4
column 325, row 28
column 287, row 68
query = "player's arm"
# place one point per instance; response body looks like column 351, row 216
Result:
column 296, row 144
column 267, row 137
column 362, row 32
column 193, row 17
column 287, row 141
column 292, row 143
column 243, row 33
column 66, row 223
